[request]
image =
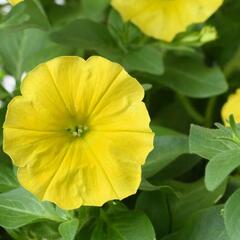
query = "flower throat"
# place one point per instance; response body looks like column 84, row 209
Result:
column 78, row 131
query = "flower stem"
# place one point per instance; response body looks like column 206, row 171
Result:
column 210, row 111
column 192, row 112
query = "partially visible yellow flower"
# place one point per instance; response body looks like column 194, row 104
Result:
column 232, row 107
column 79, row 133
column 14, row 2
column 163, row 19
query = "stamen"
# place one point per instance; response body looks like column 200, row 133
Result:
column 78, row 131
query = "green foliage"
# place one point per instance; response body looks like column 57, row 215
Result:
column 190, row 181
column 68, row 230
column 86, row 34
column 18, row 208
column 147, row 59
column 39, row 230
column 170, row 145
column 156, row 205
column 95, row 9
column 206, row 224
column 221, row 147
column 191, row 77
column 27, row 14
column 22, row 50
column 8, row 180
column 117, row 223
column 231, row 216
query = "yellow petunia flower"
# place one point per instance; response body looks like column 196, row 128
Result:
column 163, row 19
column 232, row 107
column 14, row 2
column 79, row 133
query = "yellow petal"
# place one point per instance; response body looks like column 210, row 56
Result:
column 88, row 78
column 41, row 105
column 231, row 107
column 79, row 133
column 97, row 79
column 14, row 2
column 102, row 167
column 70, row 75
column 55, row 175
column 163, row 19
column 116, row 90
column 70, row 179
column 25, row 146
column 122, row 117
column 118, row 157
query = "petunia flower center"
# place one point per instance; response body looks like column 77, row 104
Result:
column 78, row 131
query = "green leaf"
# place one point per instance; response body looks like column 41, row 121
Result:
column 122, row 224
column 221, row 147
column 207, row 224
column 18, row 208
column 163, row 131
column 23, row 50
column 39, row 230
column 166, row 150
column 27, row 14
column 8, row 180
column 147, row 86
column 208, row 143
column 68, row 230
column 94, row 9
column 155, row 205
column 3, row 93
column 86, row 34
column 146, row 59
column 178, row 168
column 220, row 167
column 227, row 15
column 192, row 198
column 188, row 75
column 60, row 15
column 231, row 216
column 127, row 36
column 2, row 119
column 87, row 220
column 147, row 186
column 169, row 211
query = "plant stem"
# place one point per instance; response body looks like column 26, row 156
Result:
column 233, row 64
column 209, row 111
column 228, row 69
column 192, row 112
